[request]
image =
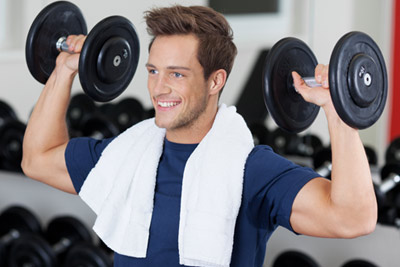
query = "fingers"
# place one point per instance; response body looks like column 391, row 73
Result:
column 75, row 42
column 321, row 75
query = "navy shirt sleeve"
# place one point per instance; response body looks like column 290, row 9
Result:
column 271, row 185
column 81, row 155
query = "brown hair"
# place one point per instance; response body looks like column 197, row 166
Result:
column 216, row 48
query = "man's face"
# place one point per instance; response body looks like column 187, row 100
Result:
column 176, row 83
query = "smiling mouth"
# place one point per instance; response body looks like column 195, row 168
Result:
column 166, row 104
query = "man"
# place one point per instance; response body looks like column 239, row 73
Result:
column 190, row 58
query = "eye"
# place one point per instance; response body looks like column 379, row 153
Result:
column 152, row 71
column 177, row 75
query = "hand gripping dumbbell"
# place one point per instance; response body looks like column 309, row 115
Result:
column 322, row 160
column 388, row 195
column 62, row 234
column 357, row 82
column 15, row 221
column 109, row 56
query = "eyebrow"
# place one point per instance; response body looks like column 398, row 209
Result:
column 148, row 65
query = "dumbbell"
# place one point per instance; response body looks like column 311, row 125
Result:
column 292, row 258
column 359, row 263
column 88, row 255
column 85, row 119
column 357, row 82
column 62, row 234
column 109, row 56
column 125, row 113
column 322, row 160
column 392, row 153
column 388, row 195
column 281, row 140
column 11, row 137
column 14, row 222
column 260, row 133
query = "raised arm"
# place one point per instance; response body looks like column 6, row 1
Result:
column 344, row 207
column 46, row 135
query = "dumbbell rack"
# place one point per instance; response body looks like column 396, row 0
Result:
column 381, row 247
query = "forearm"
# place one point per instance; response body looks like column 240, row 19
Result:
column 47, row 127
column 352, row 194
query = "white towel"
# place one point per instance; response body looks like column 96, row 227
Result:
column 120, row 190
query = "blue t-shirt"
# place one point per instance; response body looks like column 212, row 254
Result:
column 270, row 185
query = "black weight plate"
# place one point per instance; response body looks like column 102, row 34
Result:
column 390, row 168
column 6, row 112
column 288, row 109
column 371, row 155
column 260, row 133
column 109, row 58
column 31, row 250
column 79, row 107
column 98, row 127
column 294, row 258
column 308, row 145
column 392, row 153
column 11, row 139
column 54, row 21
column 359, row 263
column 354, row 54
column 67, row 227
column 20, row 219
column 281, row 141
column 126, row 113
column 87, row 255
column 321, row 157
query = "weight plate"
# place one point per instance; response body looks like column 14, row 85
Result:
column 109, row 58
column 392, row 153
column 6, row 112
column 294, row 258
column 84, row 254
column 358, row 80
column 288, row 109
column 281, row 141
column 322, row 156
column 359, row 263
column 31, row 250
column 18, row 218
column 260, row 133
column 371, row 156
column 56, row 20
column 79, row 107
column 126, row 113
column 98, row 127
column 11, row 139
column 67, row 227
column 308, row 145
column 390, row 168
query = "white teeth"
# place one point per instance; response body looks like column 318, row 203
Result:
column 167, row 104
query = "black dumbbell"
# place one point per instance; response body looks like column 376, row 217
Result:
column 260, row 133
column 62, row 234
column 322, row 160
column 109, row 56
column 294, row 258
column 125, row 113
column 359, row 263
column 357, row 80
column 88, row 255
column 388, row 195
column 14, row 222
column 11, row 137
column 304, row 146
column 80, row 107
column 281, row 141
column 393, row 151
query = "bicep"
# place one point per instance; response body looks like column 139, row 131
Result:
column 50, row 168
column 312, row 211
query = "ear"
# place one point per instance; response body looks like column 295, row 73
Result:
column 217, row 81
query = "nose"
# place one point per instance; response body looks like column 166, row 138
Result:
column 160, row 85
